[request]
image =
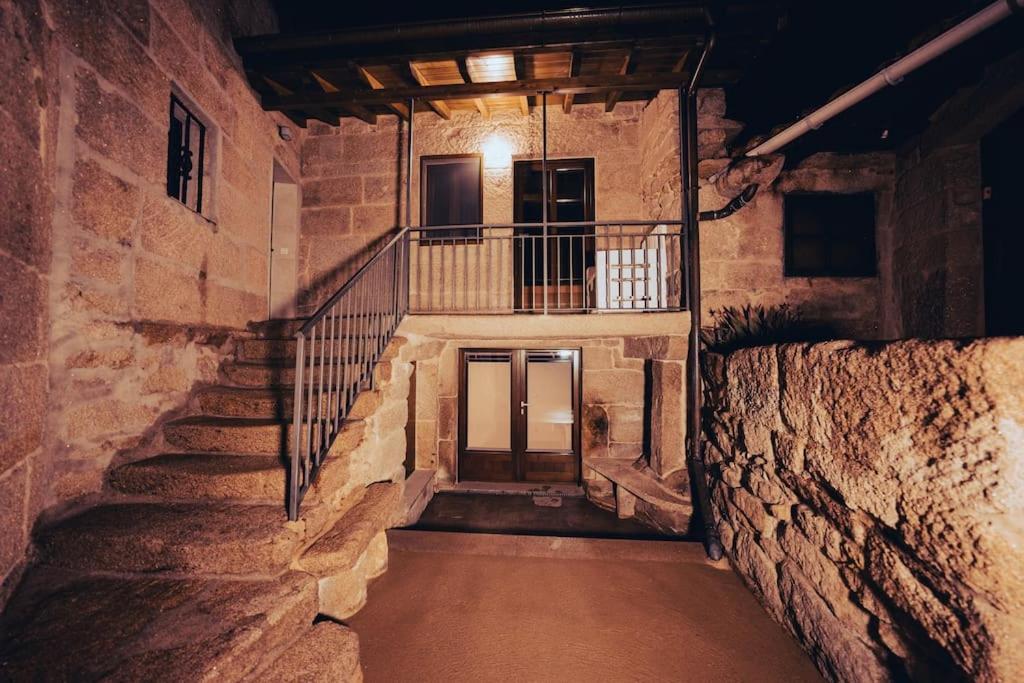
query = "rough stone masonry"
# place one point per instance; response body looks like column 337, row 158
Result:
column 871, row 495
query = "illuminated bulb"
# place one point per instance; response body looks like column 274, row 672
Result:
column 497, row 152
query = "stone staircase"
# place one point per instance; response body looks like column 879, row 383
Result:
column 190, row 570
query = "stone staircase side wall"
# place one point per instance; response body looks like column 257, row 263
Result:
column 871, row 497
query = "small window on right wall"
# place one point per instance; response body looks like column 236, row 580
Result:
column 830, row 235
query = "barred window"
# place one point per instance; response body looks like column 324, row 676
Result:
column 830, row 235
column 186, row 156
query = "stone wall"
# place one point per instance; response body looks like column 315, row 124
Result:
column 937, row 277
column 122, row 293
column 742, row 256
column 872, row 497
column 28, row 119
column 617, row 372
column 353, row 175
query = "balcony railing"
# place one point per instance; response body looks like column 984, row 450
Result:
column 561, row 268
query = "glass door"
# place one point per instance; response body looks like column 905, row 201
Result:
column 519, row 415
column 570, row 248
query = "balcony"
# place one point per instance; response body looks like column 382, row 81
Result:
column 578, row 267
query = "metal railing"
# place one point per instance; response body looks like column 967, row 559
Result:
column 336, row 352
column 504, row 268
column 573, row 267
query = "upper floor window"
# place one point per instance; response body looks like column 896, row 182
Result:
column 451, row 193
column 186, row 156
column 830, row 235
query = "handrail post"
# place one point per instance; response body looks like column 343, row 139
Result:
column 544, row 192
column 294, row 487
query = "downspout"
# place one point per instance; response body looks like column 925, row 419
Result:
column 893, row 74
column 688, row 201
column 734, row 205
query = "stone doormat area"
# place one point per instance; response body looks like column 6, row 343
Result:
column 523, row 514
column 467, row 611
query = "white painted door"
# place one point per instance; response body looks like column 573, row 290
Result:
column 284, row 233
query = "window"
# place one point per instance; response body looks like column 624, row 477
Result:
column 186, row 156
column 451, row 193
column 830, row 235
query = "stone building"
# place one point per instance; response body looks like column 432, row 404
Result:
column 216, row 232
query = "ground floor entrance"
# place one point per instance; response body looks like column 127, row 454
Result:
column 519, row 415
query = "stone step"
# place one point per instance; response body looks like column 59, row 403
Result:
column 326, row 651
column 273, row 403
column 203, row 476
column 61, row 627
column 205, row 434
column 213, row 538
column 340, row 548
column 640, row 493
column 281, row 374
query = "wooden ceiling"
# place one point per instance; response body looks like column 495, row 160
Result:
column 484, row 67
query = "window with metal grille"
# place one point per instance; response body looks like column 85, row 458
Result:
column 186, row 156
column 830, row 235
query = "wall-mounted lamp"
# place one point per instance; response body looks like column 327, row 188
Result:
column 285, row 133
column 497, row 152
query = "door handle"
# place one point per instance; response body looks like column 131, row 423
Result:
column 522, row 407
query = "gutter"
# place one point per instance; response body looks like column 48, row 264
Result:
column 894, row 73
column 690, row 216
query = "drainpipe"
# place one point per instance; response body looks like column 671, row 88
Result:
column 893, row 74
column 734, row 205
column 689, row 200
column 408, row 166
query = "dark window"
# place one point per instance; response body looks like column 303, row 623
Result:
column 830, row 235
column 186, row 152
column 451, row 192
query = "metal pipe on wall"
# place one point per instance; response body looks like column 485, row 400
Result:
column 893, row 74
column 689, row 185
column 408, row 167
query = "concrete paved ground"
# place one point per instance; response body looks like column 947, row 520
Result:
column 480, row 607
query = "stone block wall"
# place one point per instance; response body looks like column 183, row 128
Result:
column 937, row 251
column 871, row 496
column 937, row 283
column 742, row 256
column 121, row 294
column 619, row 374
column 353, row 176
column 28, row 118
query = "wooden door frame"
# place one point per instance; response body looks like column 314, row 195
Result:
column 518, row 359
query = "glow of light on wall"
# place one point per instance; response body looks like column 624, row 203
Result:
column 497, row 152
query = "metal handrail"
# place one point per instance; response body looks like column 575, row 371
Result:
column 563, row 267
column 341, row 343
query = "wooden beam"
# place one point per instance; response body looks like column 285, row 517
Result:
column 356, row 110
column 614, row 96
column 574, row 71
column 518, row 71
column 468, row 91
column 297, row 117
column 439, row 106
column 681, row 62
column 398, row 55
column 466, row 78
column 371, row 80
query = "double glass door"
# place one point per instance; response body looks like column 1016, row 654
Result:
column 519, row 415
